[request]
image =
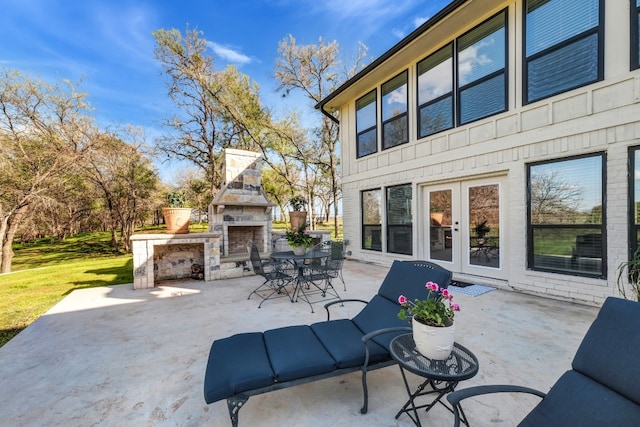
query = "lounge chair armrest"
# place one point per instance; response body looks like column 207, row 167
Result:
column 366, row 337
column 459, row 395
column 329, row 304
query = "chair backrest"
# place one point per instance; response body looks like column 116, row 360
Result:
column 610, row 351
column 403, row 278
column 254, row 255
column 337, row 249
column 409, row 278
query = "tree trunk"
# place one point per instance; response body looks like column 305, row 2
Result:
column 3, row 233
column 13, row 222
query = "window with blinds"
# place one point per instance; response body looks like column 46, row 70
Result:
column 399, row 220
column 563, row 46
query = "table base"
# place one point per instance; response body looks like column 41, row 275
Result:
column 439, row 388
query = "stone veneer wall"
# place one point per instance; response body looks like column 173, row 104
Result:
column 172, row 262
column 241, row 203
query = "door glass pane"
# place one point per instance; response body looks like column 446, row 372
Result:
column 440, row 240
column 484, row 225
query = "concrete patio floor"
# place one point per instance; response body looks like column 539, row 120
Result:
column 113, row 356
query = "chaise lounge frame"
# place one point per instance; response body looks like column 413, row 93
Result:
column 378, row 318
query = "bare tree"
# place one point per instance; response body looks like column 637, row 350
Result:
column 316, row 70
column 126, row 178
column 44, row 131
column 216, row 108
column 552, row 199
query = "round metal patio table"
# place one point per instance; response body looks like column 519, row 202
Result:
column 442, row 376
column 298, row 261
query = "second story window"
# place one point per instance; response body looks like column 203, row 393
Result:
column 482, row 80
column 366, row 125
column 394, row 112
column 635, row 34
column 435, row 92
column 563, row 47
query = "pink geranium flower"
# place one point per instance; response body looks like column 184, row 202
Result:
column 435, row 310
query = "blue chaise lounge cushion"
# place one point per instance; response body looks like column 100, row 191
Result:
column 341, row 338
column 237, row 364
column 295, row 352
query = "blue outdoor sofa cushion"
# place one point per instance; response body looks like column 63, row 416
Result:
column 610, row 351
column 577, row 400
column 603, row 387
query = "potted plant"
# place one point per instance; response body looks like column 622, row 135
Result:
column 177, row 216
column 432, row 321
column 437, row 215
column 632, row 277
column 481, row 229
column 298, row 216
column 299, row 240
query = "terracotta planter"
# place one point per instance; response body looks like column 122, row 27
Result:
column 297, row 219
column 436, row 218
column 434, row 342
column 177, row 220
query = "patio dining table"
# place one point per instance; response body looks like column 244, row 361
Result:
column 299, row 262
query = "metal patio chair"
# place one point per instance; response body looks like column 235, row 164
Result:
column 275, row 274
column 331, row 267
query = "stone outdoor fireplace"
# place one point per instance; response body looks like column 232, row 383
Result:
column 241, row 211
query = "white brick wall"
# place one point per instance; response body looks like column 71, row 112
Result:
column 603, row 117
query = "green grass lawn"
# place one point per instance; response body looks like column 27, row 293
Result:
column 45, row 271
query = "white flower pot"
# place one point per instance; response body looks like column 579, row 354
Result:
column 299, row 250
column 434, row 342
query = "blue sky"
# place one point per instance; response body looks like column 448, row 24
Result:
column 108, row 44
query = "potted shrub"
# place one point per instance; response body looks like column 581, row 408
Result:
column 631, row 278
column 299, row 239
column 298, row 216
column 177, row 216
column 482, row 229
column 437, row 215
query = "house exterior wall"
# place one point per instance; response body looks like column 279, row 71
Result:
column 602, row 117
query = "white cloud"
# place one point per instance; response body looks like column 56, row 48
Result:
column 419, row 20
column 229, row 54
column 398, row 33
column 398, row 96
column 401, row 33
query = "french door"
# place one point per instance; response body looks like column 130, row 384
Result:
column 464, row 228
